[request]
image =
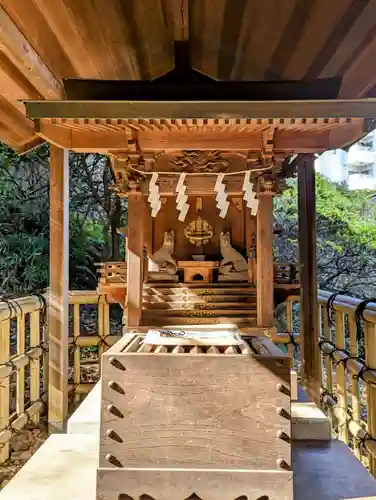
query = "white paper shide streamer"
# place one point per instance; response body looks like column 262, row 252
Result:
column 221, row 198
column 154, row 198
column 182, row 198
column 249, row 195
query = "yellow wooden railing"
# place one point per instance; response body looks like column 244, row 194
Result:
column 348, row 368
column 21, row 366
column 102, row 339
column 348, row 390
column 24, row 361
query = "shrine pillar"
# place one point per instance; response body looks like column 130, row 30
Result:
column 309, row 341
column 265, row 264
column 135, row 255
column 59, row 289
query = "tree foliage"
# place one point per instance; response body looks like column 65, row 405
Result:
column 346, row 227
column 346, row 236
column 95, row 214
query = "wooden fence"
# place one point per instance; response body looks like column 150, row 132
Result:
column 24, row 357
column 347, row 341
column 347, row 357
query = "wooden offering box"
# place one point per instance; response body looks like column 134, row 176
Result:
column 183, row 422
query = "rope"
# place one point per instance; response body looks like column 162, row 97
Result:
column 330, row 303
column 359, row 316
column 177, row 174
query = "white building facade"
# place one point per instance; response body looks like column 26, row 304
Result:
column 357, row 168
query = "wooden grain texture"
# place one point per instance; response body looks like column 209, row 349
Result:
column 340, row 371
column 196, row 411
column 265, row 266
column 206, row 484
column 4, row 386
column 135, row 255
column 35, row 363
column 17, row 49
column 309, row 347
column 59, row 284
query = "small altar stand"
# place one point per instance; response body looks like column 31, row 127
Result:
column 220, row 425
column 198, row 270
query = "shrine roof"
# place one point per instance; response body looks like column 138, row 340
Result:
column 43, row 42
column 281, row 127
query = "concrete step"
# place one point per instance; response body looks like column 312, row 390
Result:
column 65, row 468
column 308, row 422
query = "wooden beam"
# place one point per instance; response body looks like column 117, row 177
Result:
column 59, row 286
column 98, row 141
column 23, row 57
column 135, row 255
column 194, row 139
column 14, row 119
column 336, row 108
column 265, row 265
column 309, row 341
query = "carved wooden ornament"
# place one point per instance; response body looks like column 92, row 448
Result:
column 200, row 161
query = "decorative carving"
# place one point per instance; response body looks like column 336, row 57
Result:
column 200, row 161
column 233, row 265
column 162, row 260
column 199, row 232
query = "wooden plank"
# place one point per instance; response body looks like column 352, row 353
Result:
column 20, row 374
column 4, row 386
column 341, row 383
column 14, row 119
column 354, row 382
column 77, row 350
column 227, row 407
column 34, row 21
column 310, row 353
column 21, row 54
column 176, row 15
column 324, row 17
column 359, row 78
column 330, row 108
column 80, row 140
column 58, row 293
column 370, row 359
column 183, row 484
column 35, row 363
column 265, row 266
column 135, row 254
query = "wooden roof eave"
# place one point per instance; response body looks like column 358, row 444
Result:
column 338, row 108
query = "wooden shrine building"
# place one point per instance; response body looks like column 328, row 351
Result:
column 205, row 109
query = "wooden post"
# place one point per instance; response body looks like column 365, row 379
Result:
column 135, row 255
column 265, row 266
column 59, row 286
column 309, row 342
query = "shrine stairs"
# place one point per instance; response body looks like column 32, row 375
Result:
column 199, row 303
